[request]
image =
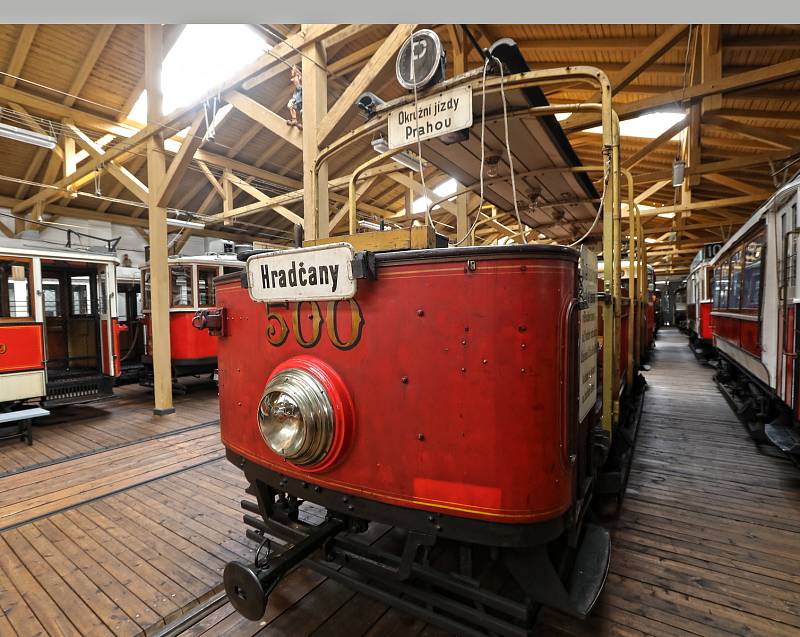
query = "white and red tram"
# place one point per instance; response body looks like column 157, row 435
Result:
column 698, row 299
column 756, row 295
column 58, row 324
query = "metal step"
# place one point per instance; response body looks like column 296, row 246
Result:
column 590, row 570
column 784, row 437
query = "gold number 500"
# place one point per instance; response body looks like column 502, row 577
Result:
column 278, row 329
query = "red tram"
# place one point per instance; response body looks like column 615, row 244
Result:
column 58, row 324
column 755, row 305
column 192, row 288
column 453, row 394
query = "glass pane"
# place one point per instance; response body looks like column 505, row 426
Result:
column 205, row 286
column 736, row 281
column 81, row 301
column 181, row 285
column 51, row 295
column 15, row 295
column 101, row 301
column 721, row 282
column 146, row 287
column 752, row 274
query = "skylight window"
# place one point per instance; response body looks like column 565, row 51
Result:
column 444, row 189
column 204, row 56
column 648, row 126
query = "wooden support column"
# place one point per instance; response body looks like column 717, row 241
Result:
column 315, row 106
column 462, row 217
column 227, row 195
column 157, row 225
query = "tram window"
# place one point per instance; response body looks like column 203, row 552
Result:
column 205, row 285
column 145, row 301
column 181, row 285
column 229, row 270
column 752, row 273
column 51, row 297
column 736, row 281
column 721, row 285
column 101, row 300
column 15, row 289
column 81, row 296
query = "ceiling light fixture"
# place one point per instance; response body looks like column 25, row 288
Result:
column 404, row 158
column 27, row 136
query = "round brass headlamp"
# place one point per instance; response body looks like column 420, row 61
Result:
column 296, row 418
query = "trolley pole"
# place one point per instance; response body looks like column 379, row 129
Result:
column 157, row 218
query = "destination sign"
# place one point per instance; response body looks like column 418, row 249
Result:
column 320, row 273
column 433, row 116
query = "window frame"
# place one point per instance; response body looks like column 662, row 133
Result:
column 212, row 289
column 31, row 316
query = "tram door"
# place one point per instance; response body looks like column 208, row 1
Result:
column 72, row 322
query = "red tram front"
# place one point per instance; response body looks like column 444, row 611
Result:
column 191, row 285
column 433, row 419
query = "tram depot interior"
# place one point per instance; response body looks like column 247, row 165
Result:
column 542, row 444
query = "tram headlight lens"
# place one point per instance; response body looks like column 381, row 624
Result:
column 295, row 417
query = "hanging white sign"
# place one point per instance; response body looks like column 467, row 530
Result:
column 433, row 116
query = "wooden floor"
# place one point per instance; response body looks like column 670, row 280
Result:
column 127, row 532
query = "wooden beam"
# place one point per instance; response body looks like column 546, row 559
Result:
column 24, row 40
column 719, row 166
column 120, row 173
column 738, row 185
column 170, row 36
column 316, row 215
column 266, row 199
column 666, row 136
column 779, row 139
column 180, row 163
column 711, row 64
column 651, row 190
column 68, row 156
column 267, row 118
column 701, row 205
column 380, row 59
column 663, row 43
column 88, row 63
column 680, row 97
column 211, row 178
column 344, row 209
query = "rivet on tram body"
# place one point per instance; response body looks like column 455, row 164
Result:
column 523, row 268
column 463, row 341
column 466, row 328
column 345, row 499
column 305, row 485
column 573, row 457
column 420, row 437
column 317, row 489
column 239, row 403
column 484, row 361
column 350, row 507
column 524, row 346
column 420, row 312
column 404, row 380
column 522, row 328
column 522, row 370
column 430, row 518
column 463, row 370
column 438, row 527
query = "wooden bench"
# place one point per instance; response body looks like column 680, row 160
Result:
column 24, row 420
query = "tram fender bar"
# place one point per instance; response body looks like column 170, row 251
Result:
column 248, row 588
column 536, row 575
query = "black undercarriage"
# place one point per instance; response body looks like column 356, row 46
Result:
column 471, row 577
column 468, row 576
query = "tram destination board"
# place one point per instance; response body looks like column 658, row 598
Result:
column 431, row 117
column 321, row 273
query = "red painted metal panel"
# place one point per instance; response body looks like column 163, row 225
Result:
column 739, row 332
column 457, row 379
column 186, row 342
column 706, row 321
column 21, row 347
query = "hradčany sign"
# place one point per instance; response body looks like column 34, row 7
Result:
column 322, row 273
column 436, row 115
